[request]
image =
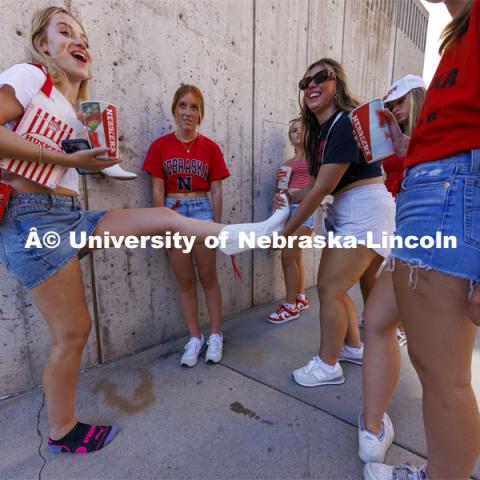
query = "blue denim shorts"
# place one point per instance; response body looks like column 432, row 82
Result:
column 194, row 207
column 442, row 196
column 45, row 213
column 308, row 222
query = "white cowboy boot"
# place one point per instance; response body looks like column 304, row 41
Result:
column 275, row 223
column 119, row 173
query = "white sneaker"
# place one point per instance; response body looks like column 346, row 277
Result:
column 314, row 374
column 119, row 173
column 401, row 337
column 273, row 224
column 192, row 350
column 284, row 314
column 370, row 447
column 355, row 356
column 380, row 471
column 215, row 348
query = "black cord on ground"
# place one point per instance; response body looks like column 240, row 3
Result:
column 39, row 433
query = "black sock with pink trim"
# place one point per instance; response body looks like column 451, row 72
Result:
column 83, row 438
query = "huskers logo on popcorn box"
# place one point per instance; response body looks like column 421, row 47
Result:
column 370, row 126
column 41, row 125
column 100, row 118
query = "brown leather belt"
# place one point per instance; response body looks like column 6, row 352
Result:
column 187, row 195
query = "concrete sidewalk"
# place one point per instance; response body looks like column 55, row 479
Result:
column 242, row 419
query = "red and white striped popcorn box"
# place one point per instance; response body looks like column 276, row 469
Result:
column 370, row 126
column 45, row 129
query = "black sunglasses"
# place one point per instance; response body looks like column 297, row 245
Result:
column 318, row 78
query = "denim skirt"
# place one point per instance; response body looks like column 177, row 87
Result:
column 308, row 222
column 193, row 207
column 441, row 199
column 35, row 234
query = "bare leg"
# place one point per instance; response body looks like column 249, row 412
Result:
column 207, row 272
column 474, row 307
column 184, row 272
column 339, row 270
column 440, row 344
column 291, row 272
column 293, row 269
column 352, row 338
column 300, row 265
column 367, row 280
column 154, row 221
column 61, row 301
column 301, row 273
column 381, row 358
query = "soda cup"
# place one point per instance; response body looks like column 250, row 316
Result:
column 370, row 125
column 282, row 183
column 100, row 118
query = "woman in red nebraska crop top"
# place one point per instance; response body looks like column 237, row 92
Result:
column 440, row 196
column 292, row 258
column 185, row 166
column 405, row 100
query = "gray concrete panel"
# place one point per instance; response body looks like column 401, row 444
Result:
column 407, row 60
column 279, row 63
column 368, row 41
column 325, row 32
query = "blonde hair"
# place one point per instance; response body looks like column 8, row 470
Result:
column 344, row 101
column 38, row 32
column 456, row 28
column 291, row 124
column 417, row 97
column 196, row 92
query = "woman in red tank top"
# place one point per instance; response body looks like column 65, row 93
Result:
column 292, row 258
column 382, row 355
column 405, row 100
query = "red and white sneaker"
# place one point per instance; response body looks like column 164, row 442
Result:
column 302, row 302
column 284, row 314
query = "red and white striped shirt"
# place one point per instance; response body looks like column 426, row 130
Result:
column 300, row 177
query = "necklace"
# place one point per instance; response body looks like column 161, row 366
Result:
column 187, row 145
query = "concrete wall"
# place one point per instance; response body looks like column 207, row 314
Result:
column 247, row 57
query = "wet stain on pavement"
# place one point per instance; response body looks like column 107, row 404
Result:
column 142, row 397
column 237, row 407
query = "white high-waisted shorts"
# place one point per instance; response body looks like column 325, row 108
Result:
column 370, row 208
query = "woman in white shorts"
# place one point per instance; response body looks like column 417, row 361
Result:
column 361, row 205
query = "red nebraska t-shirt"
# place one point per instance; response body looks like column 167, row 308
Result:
column 449, row 122
column 186, row 169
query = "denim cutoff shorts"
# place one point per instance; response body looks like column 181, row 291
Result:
column 45, row 213
column 442, row 196
column 308, row 222
column 193, row 207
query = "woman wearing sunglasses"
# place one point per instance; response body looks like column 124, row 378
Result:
column 361, row 204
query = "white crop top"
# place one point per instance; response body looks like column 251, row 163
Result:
column 27, row 80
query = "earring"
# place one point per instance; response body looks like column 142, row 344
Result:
column 90, row 76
